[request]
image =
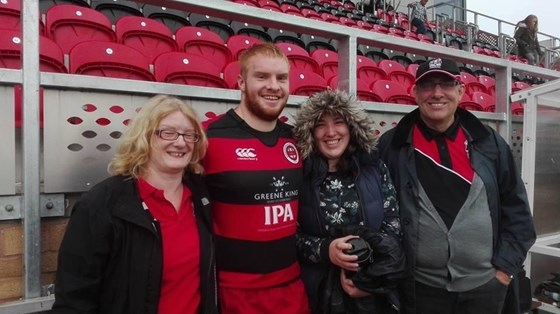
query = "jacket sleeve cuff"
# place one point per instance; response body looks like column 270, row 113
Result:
column 324, row 249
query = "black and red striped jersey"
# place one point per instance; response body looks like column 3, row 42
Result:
column 254, row 179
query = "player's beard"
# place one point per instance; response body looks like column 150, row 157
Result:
column 261, row 111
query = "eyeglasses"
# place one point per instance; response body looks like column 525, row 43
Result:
column 431, row 85
column 170, row 135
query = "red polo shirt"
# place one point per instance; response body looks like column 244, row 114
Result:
column 181, row 250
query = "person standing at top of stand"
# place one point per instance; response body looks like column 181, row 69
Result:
column 526, row 39
column 254, row 175
column 419, row 16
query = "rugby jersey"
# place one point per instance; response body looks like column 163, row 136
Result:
column 254, row 179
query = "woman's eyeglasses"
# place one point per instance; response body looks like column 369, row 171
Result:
column 170, row 135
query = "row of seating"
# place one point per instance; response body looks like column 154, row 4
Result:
column 224, row 28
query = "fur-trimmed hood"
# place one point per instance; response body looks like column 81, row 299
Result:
column 333, row 102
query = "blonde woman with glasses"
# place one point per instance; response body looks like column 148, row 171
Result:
column 140, row 241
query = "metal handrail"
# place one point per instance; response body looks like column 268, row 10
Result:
column 556, row 40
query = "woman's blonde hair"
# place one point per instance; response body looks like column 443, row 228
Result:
column 133, row 152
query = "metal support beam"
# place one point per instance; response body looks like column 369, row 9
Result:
column 31, row 151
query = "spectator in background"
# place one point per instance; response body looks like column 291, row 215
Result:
column 347, row 196
column 466, row 221
column 419, row 16
column 371, row 6
column 382, row 5
column 526, row 38
column 254, row 176
column 140, row 241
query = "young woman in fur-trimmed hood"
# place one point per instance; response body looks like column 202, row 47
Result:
column 347, row 194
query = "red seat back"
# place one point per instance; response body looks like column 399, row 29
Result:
column 306, row 83
column 239, row 43
column 187, row 68
column 471, row 83
column 205, row 43
column 392, row 92
column 51, row 58
column 327, row 61
column 231, row 73
column 486, row 101
column 146, row 35
column 299, row 58
column 396, row 72
column 69, row 25
column 368, row 71
column 109, row 59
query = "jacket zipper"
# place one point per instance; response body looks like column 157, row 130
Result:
column 154, row 221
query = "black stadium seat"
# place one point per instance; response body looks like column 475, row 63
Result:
column 283, row 36
column 174, row 19
column 44, row 5
column 257, row 31
column 217, row 25
column 115, row 9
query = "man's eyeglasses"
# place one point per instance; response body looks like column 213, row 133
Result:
column 431, row 85
column 170, row 135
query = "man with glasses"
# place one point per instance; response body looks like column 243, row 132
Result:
column 464, row 211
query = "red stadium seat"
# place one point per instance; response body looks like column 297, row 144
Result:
column 517, row 108
column 205, row 43
column 410, row 35
column 327, row 17
column 396, row 72
column 306, row 83
column 364, row 25
column 486, row 101
column 239, row 43
column 488, row 82
column 51, row 58
column 310, row 13
column 269, row 5
column 289, row 8
column 327, row 61
column 69, row 25
column 299, row 58
column 18, row 109
column 425, row 38
column 396, row 32
column 392, row 92
column 108, row 59
column 363, row 91
column 519, row 85
column 347, row 21
column 368, row 71
column 146, row 35
column 187, row 68
column 247, row 2
column 467, row 103
column 10, row 14
column 231, row 73
column 380, row 29
column 471, row 83
column 412, row 68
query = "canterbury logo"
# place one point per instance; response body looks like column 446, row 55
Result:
column 246, row 152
